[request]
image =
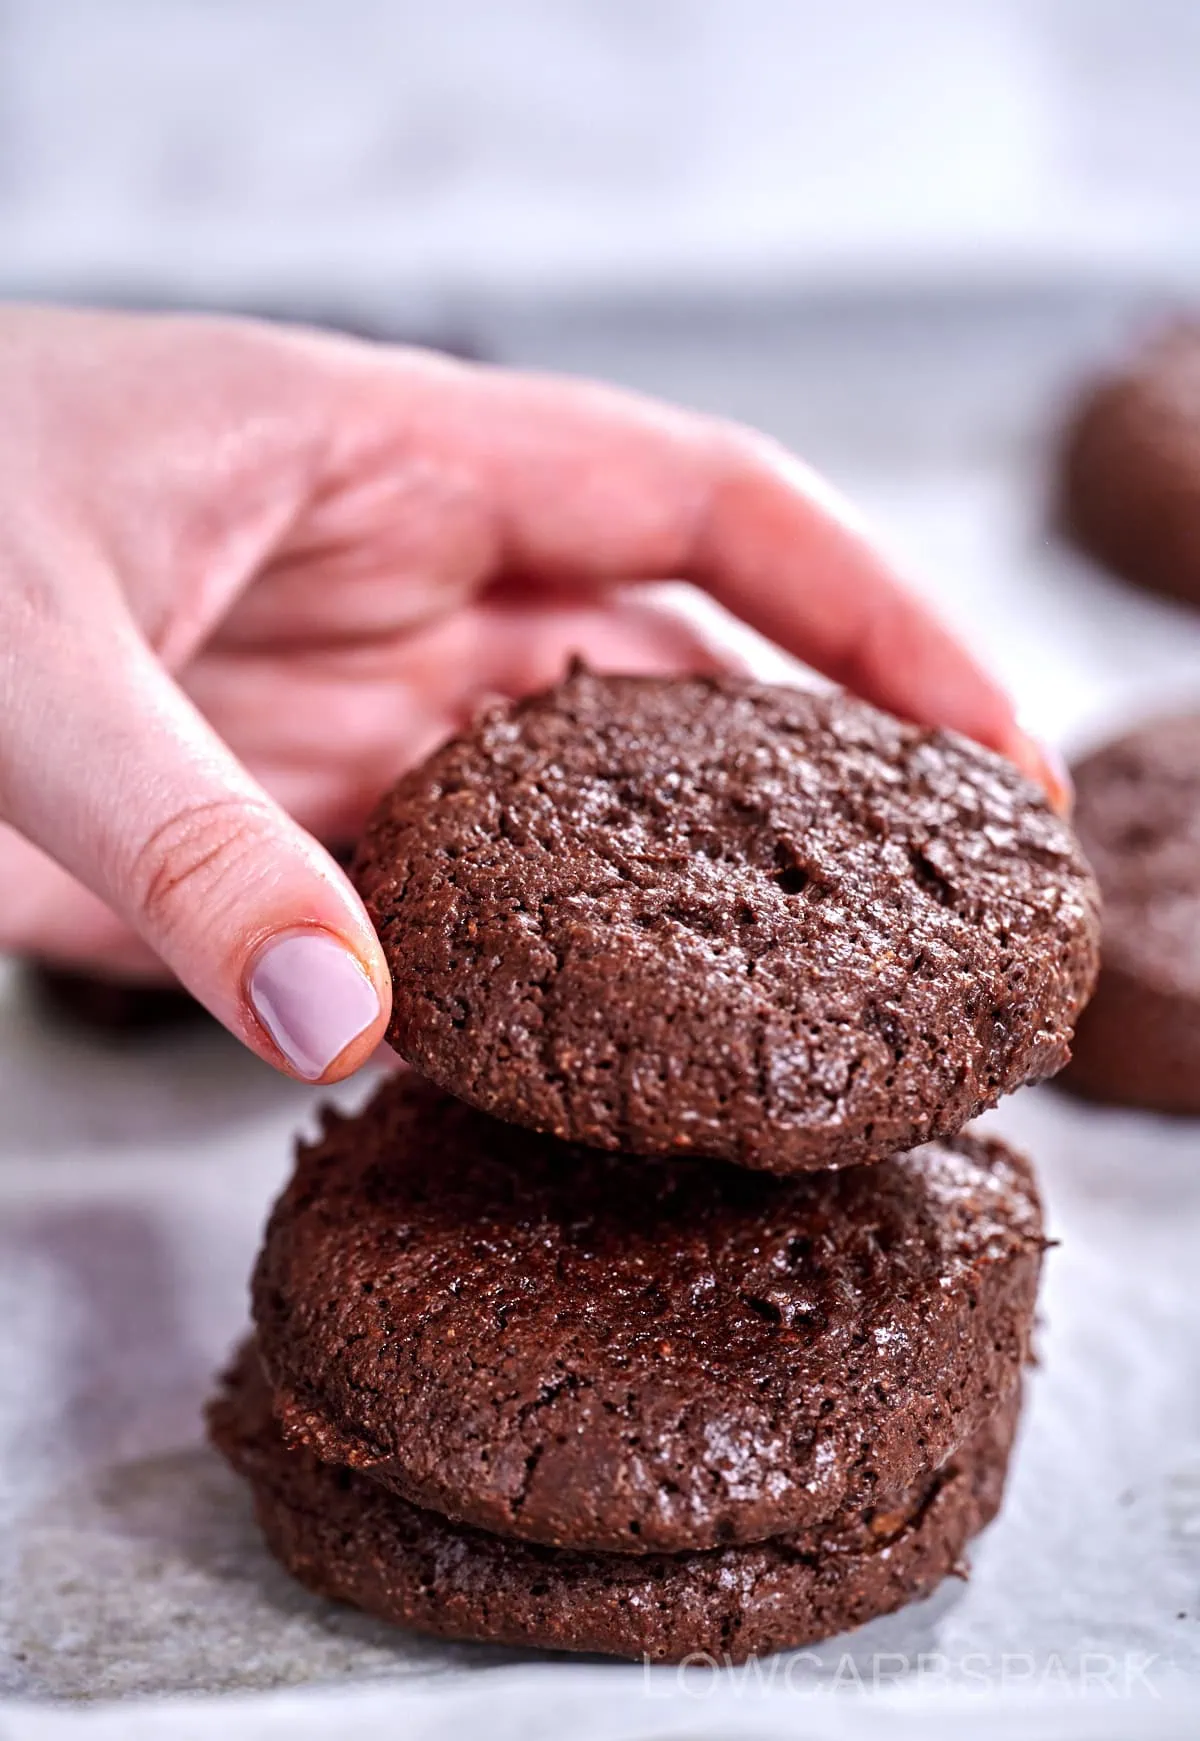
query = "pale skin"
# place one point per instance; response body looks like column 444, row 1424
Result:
column 247, row 574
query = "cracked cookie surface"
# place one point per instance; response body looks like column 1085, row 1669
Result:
column 715, row 917
column 616, row 1353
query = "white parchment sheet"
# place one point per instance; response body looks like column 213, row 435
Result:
column 133, row 1185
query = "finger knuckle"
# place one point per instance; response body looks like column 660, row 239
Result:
column 743, row 448
column 190, row 857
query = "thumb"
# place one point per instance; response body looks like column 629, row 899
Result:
column 107, row 766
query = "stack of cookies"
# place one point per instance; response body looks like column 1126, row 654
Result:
column 669, row 1310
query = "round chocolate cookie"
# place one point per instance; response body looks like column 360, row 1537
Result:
column 1138, row 814
column 608, row 1352
column 344, row 1536
column 1130, row 467
column 714, row 917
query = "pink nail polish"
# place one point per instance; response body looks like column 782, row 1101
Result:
column 1043, row 763
column 1050, row 771
column 312, row 996
column 1059, row 783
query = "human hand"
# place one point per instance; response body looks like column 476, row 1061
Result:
column 249, row 573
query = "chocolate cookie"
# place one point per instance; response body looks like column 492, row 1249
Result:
column 752, row 923
column 344, row 1536
column 1138, row 814
column 1130, row 467
column 116, row 1009
column 614, row 1353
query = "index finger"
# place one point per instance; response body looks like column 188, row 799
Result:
column 586, row 485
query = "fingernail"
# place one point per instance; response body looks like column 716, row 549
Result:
column 1043, row 763
column 1059, row 785
column 311, row 995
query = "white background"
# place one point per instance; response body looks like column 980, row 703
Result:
column 407, row 149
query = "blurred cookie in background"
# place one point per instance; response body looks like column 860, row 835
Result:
column 1138, row 817
column 1129, row 479
column 118, row 1009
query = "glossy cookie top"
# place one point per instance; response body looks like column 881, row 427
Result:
column 608, row 1352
